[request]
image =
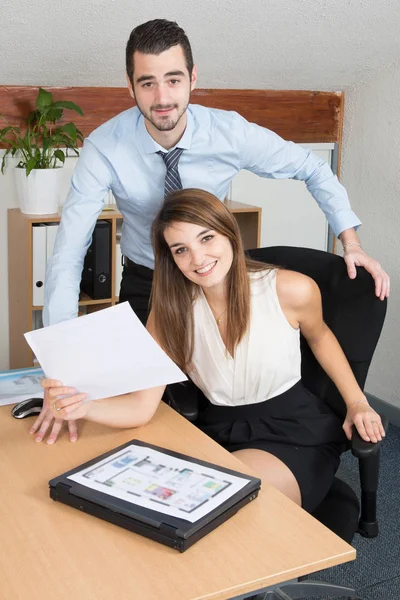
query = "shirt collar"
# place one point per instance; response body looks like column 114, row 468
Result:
column 150, row 146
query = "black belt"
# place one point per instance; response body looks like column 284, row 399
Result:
column 127, row 262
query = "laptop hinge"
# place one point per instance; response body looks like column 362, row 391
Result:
column 58, row 489
column 170, row 532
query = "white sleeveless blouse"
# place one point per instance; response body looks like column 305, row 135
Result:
column 267, row 360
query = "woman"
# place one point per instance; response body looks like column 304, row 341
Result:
column 233, row 325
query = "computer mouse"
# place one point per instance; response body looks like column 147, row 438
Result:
column 26, row 408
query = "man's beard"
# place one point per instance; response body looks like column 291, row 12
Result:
column 163, row 123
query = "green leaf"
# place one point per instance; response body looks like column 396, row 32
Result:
column 46, row 144
column 31, row 164
column 59, row 154
column 41, row 142
column 27, row 143
column 43, row 99
column 32, row 117
column 12, row 142
column 70, row 129
column 69, row 105
column 4, row 131
column 61, row 139
column 54, row 114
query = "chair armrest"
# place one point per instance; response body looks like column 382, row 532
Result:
column 184, row 400
column 362, row 449
column 368, row 455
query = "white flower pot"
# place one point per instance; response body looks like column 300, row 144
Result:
column 39, row 193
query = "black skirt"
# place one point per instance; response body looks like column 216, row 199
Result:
column 295, row 426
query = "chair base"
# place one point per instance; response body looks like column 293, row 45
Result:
column 314, row 589
column 368, row 529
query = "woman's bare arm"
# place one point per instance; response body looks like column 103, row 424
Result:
column 300, row 299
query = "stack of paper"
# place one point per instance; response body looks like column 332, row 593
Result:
column 20, row 384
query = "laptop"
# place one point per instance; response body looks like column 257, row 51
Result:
column 166, row 496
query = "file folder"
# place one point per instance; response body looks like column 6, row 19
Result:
column 96, row 274
column 39, row 260
column 118, row 267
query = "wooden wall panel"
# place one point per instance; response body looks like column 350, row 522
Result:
column 300, row 116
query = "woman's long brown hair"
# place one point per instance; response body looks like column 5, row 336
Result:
column 173, row 294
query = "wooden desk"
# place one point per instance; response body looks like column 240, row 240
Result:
column 50, row 550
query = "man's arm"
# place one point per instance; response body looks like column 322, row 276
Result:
column 90, row 183
column 268, row 155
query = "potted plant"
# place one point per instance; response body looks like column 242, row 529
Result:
column 41, row 149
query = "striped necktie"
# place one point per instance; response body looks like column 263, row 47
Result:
column 172, row 177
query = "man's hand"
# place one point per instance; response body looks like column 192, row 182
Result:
column 46, row 422
column 354, row 256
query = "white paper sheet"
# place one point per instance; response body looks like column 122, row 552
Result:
column 163, row 483
column 103, row 354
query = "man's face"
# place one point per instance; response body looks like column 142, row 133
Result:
column 162, row 86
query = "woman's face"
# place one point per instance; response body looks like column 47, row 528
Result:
column 203, row 255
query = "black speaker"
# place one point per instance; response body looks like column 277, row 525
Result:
column 96, row 274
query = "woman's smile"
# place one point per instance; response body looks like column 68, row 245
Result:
column 206, row 269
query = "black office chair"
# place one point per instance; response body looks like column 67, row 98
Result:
column 356, row 317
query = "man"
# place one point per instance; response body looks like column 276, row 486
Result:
column 163, row 144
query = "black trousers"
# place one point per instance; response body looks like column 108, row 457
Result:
column 135, row 289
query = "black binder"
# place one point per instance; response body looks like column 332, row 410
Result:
column 96, row 274
column 178, row 533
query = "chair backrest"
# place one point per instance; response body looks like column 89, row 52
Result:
column 350, row 308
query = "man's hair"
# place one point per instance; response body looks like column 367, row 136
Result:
column 155, row 37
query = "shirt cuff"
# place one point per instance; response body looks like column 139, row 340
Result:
column 342, row 220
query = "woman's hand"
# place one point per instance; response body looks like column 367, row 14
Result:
column 46, row 422
column 367, row 421
column 56, row 410
column 63, row 402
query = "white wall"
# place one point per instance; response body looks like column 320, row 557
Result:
column 297, row 44
column 371, row 174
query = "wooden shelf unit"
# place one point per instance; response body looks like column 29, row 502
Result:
column 20, row 296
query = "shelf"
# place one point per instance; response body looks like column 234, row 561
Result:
column 240, row 207
column 84, row 300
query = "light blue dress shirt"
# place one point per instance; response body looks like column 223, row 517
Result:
column 121, row 156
